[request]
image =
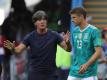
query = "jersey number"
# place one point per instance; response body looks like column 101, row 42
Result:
column 79, row 44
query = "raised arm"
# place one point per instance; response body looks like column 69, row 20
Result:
column 11, row 46
column 66, row 42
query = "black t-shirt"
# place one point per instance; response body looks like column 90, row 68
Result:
column 42, row 51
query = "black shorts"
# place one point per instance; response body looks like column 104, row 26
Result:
column 35, row 76
column 0, row 69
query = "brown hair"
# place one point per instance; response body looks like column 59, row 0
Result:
column 79, row 11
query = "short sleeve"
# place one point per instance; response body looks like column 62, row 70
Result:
column 25, row 41
column 59, row 38
column 97, row 40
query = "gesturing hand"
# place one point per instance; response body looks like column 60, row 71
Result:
column 83, row 68
column 67, row 36
column 9, row 45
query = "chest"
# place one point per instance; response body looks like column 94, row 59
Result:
column 42, row 41
column 82, row 39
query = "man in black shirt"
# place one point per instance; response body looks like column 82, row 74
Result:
column 43, row 44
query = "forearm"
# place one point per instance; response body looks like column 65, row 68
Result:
column 15, row 51
column 11, row 46
column 95, row 57
column 18, row 49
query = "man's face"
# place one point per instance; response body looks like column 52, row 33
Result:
column 77, row 19
column 41, row 24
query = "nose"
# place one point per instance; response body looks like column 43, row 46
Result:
column 42, row 21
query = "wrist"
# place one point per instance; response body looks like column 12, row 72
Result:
column 13, row 50
column 87, row 64
column 68, row 42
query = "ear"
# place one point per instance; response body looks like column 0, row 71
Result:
column 81, row 17
column 35, row 23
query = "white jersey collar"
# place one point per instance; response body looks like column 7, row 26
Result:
column 84, row 28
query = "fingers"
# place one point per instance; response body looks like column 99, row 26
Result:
column 81, row 71
column 67, row 36
column 68, row 32
column 7, row 41
column 8, row 45
column 63, row 33
column 83, row 68
column 13, row 43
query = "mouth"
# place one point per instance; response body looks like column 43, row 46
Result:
column 42, row 25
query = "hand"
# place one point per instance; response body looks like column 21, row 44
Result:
column 67, row 36
column 9, row 45
column 83, row 68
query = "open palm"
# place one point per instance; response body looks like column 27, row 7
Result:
column 9, row 45
column 67, row 36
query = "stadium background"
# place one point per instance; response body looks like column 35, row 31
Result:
column 17, row 20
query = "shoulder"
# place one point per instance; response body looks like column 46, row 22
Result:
column 55, row 35
column 32, row 33
column 93, row 28
column 29, row 34
column 53, row 32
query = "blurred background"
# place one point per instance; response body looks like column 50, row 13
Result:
column 18, row 14
column 16, row 22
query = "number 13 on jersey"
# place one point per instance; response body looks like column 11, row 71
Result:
column 79, row 44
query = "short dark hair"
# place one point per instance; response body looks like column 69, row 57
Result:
column 40, row 14
column 78, row 11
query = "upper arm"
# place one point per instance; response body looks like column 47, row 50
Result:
column 59, row 38
column 26, row 40
column 97, row 40
column 98, row 49
column 61, row 41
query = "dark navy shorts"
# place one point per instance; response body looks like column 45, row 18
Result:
column 35, row 76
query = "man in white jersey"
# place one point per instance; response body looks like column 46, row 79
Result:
column 86, row 45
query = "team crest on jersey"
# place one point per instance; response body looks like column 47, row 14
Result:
column 76, row 36
column 80, row 36
column 86, row 36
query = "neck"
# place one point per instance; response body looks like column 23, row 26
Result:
column 83, row 25
column 42, row 31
